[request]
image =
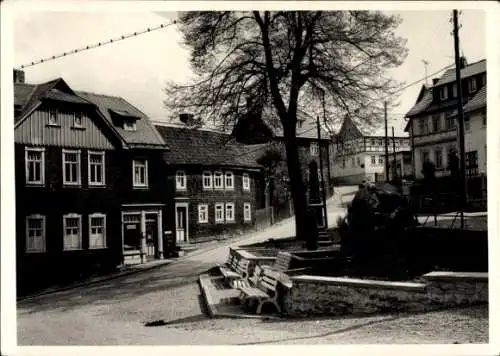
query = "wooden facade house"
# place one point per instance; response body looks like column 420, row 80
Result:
column 89, row 182
column 216, row 183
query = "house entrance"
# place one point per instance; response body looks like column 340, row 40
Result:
column 142, row 232
column 181, row 222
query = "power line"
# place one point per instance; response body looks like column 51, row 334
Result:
column 99, row 44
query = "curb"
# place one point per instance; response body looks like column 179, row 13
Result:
column 97, row 280
column 211, row 308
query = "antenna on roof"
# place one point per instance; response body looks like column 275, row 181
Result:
column 426, row 64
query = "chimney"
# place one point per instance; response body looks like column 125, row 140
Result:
column 463, row 62
column 18, row 76
column 186, row 118
column 434, row 81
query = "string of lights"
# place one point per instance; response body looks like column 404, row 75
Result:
column 96, row 45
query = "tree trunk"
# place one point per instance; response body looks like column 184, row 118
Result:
column 296, row 183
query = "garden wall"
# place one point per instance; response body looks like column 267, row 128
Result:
column 317, row 295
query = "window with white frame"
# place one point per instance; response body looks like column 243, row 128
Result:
column 313, row 149
column 444, row 93
column 71, row 167
column 467, row 123
column 247, row 212
column 53, row 117
column 97, row 230
column 35, row 233
column 246, row 181
column 129, row 124
column 229, row 212
column 380, row 160
column 78, row 120
column 35, row 165
column 96, row 168
column 72, row 231
column 203, row 213
column 229, row 181
column 438, row 158
column 219, row 212
column 180, row 180
column 218, row 180
column 207, row 180
column 373, row 160
column 140, row 171
column 472, row 85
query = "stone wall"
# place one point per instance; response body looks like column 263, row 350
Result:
column 317, row 295
column 455, row 288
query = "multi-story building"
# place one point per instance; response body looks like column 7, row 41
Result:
column 216, row 183
column 432, row 121
column 360, row 156
column 88, row 181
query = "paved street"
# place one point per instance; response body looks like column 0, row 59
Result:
column 113, row 313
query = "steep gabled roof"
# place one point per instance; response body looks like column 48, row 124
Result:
column 145, row 134
column 478, row 101
column 190, row 146
column 56, row 89
column 422, row 104
column 449, row 75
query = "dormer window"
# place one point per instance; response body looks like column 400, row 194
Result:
column 53, row 117
column 299, row 124
column 444, row 93
column 77, row 120
column 472, row 85
column 129, row 125
column 124, row 118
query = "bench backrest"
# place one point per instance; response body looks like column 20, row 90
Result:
column 269, row 280
column 257, row 275
column 242, row 265
column 234, row 262
column 282, row 262
column 230, row 259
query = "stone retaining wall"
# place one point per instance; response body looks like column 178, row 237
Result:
column 317, row 295
column 455, row 288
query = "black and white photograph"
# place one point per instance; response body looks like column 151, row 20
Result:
column 235, row 173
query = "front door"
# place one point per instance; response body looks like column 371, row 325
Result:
column 151, row 235
column 181, row 223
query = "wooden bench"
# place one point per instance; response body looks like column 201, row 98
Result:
column 251, row 281
column 237, row 270
column 282, row 263
column 228, row 270
column 265, row 291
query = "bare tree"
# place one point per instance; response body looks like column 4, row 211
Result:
column 276, row 61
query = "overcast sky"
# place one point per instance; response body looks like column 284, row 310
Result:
column 137, row 68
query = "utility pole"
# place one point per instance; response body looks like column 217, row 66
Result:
column 386, row 144
column 394, row 169
column 460, row 118
column 323, row 195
